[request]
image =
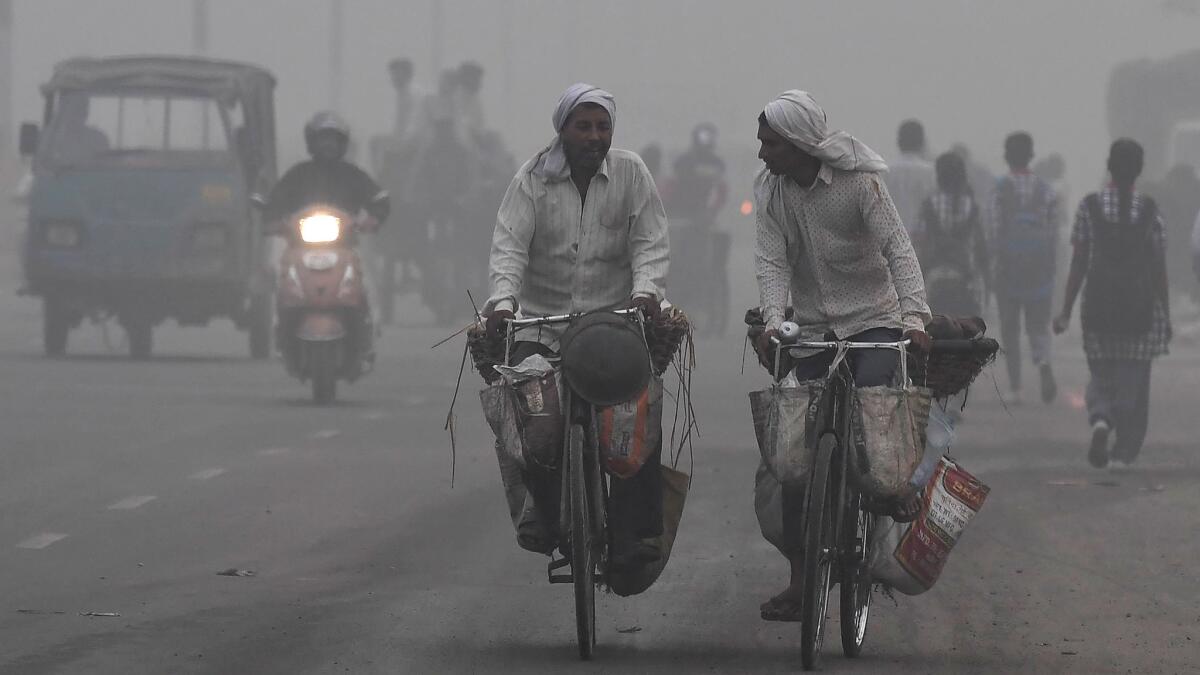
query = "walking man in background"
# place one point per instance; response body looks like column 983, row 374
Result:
column 1120, row 247
column 1025, row 214
column 910, row 179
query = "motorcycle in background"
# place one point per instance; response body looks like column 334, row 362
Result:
column 324, row 329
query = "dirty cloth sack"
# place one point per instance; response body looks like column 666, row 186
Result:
column 675, row 488
column 890, row 427
column 784, row 417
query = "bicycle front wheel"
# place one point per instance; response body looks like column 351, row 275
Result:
column 855, row 591
column 583, row 561
column 820, row 548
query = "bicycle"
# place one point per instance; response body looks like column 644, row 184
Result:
column 837, row 525
column 584, row 497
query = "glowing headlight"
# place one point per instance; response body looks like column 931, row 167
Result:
column 320, row 228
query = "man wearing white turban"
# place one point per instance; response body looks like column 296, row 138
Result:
column 828, row 236
column 582, row 228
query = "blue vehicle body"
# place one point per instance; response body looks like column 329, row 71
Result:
column 126, row 219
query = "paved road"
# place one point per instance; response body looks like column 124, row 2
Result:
column 125, row 488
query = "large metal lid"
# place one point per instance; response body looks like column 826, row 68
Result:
column 605, row 359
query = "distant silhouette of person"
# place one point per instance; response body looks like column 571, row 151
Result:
column 910, row 177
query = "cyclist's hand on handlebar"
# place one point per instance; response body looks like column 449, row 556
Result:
column 919, row 341
column 648, row 304
column 497, row 322
column 765, row 348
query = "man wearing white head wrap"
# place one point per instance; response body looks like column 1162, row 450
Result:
column 828, row 238
column 582, row 228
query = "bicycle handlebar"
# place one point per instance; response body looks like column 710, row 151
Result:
column 560, row 318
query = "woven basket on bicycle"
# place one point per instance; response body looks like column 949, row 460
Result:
column 947, row 373
column 664, row 335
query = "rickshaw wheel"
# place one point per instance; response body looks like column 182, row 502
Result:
column 56, row 326
column 141, row 338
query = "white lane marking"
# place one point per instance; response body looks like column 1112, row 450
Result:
column 132, row 502
column 326, row 434
column 207, row 474
column 416, row 400
column 273, row 452
column 373, row 415
column 41, row 540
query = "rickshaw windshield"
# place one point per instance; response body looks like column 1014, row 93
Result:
column 136, row 128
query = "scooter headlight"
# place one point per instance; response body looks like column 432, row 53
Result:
column 320, row 228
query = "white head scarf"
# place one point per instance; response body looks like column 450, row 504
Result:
column 551, row 164
column 796, row 116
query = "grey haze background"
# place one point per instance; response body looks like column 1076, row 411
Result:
column 972, row 71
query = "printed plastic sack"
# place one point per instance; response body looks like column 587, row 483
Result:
column 910, row 556
column 890, row 438
column 783, row 421
column 527, row 418
column 675, row 488
column 629, row 433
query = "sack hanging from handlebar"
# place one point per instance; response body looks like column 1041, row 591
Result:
column 629, row 433
column 889, row 427
column 527, row 418
column 783, row 425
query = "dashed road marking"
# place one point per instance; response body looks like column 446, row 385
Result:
column 207, row 474
column 273, row 452
column 326, row 434
column 132, row 502
column 373, row 415
column 42, row 540
column 416, row 400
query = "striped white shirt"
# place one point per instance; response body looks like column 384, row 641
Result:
column 555, row 253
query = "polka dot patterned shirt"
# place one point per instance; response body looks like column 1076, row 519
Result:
column 838, row 247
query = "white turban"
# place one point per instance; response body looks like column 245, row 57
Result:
column 797, row 117
column 551, row 164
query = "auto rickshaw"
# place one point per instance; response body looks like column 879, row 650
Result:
column 139, row 205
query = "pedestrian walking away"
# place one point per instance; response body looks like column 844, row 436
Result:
column 910, row 179
column 1025, row 213
column 953, row 245
column 1119, row 251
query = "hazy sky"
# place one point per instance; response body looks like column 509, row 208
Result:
column 971, row 71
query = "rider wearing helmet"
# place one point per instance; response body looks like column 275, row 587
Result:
column 328, row 178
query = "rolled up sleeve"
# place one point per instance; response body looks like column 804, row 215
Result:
column 884, row 224
column 510, row 245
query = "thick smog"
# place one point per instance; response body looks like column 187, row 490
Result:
column 514, row 336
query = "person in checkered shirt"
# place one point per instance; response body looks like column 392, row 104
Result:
column 1119, row 249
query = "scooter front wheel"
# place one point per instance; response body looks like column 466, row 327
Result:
column 323, row 366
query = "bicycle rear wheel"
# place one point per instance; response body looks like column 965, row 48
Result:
column 855, row 590
column 583, row 561
column 820, row 548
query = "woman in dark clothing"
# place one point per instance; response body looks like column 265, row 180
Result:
column 952, row 246
column 1119, row 247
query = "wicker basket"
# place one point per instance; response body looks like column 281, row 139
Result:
column 947, row 373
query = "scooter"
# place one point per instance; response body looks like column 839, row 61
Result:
column 324, row 332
